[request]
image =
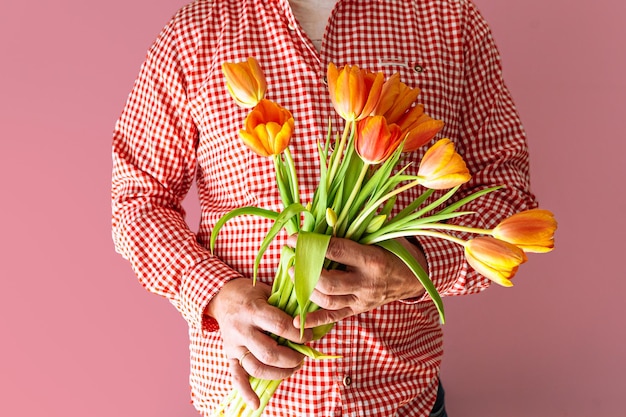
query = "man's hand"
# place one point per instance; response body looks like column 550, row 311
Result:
column 372, row 277
column 245, row 319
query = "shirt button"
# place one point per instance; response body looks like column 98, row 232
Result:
column 347, row 381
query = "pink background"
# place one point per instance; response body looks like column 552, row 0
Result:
column 80, row 337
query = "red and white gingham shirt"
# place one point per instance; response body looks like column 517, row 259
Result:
column 180, row 123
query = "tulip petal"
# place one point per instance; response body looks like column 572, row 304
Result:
column 374, row 85
column 354, row 92
column 252, row 142
column 491, row 273
column 268, row 128
column 422, row 134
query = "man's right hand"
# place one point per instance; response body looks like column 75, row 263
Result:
column 245, row 319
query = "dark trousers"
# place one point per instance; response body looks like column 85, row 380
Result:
column 439, row 409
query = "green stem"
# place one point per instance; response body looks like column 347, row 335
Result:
column 265, row 396
column 293, row 176
column 373, row 206
column 454, row 227
column 355, row 191
column 418, row 232
column 336, row 157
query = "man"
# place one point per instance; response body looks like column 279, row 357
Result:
column 179, row 122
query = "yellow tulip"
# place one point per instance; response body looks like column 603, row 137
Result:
column 245, row 82
column 442, row 167
column 419, row 128
column 494, row 259
column 531, row 230
column 354, row 92
column 268, row 128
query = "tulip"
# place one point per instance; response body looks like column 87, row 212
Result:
column 419, row 128
column 395, row 104
column 442, row 167
column 245, row 82
column 354, row 92
column 396, row 98
column 268, row 128
column 376, row 140
column 531, row 230
column 494, row 259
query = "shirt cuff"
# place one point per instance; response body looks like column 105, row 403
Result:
column 199, row 285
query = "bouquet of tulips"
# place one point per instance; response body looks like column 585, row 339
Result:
column 356, row 193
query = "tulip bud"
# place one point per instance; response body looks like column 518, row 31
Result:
column 245, row 82
column 531, row 230
column 442, row 167
column 331, row 217
column 494, row 259
column 376, row 223
column 376, row 140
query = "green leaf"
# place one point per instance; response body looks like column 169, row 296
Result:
column 409, row 226
column 320, row 197
column 469, row 198
column 413, row 206
column 248, row 210
column 281, row 220
column 310, row 254
column 309, row 351
column 321, row 331
column 380, row 178
column 401, row 252
column 282, row 285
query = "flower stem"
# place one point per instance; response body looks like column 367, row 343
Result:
column 355, row 191
column 393, row 235
column 454, row 227
column 293, row 176
column 373, row 206
column 336, row 156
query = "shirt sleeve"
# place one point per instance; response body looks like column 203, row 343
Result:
column 154, row 163
column 493, row 143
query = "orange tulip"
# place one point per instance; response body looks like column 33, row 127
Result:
column 419, row 128
column 376, row 140
column 268, row 128
column 442, row 167
column 395, row 104
column 245, row 82
column 531, row 230
column 494, row 259
column 354, row 92
column 396, row 98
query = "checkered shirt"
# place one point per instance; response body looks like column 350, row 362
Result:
column 180, row 124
